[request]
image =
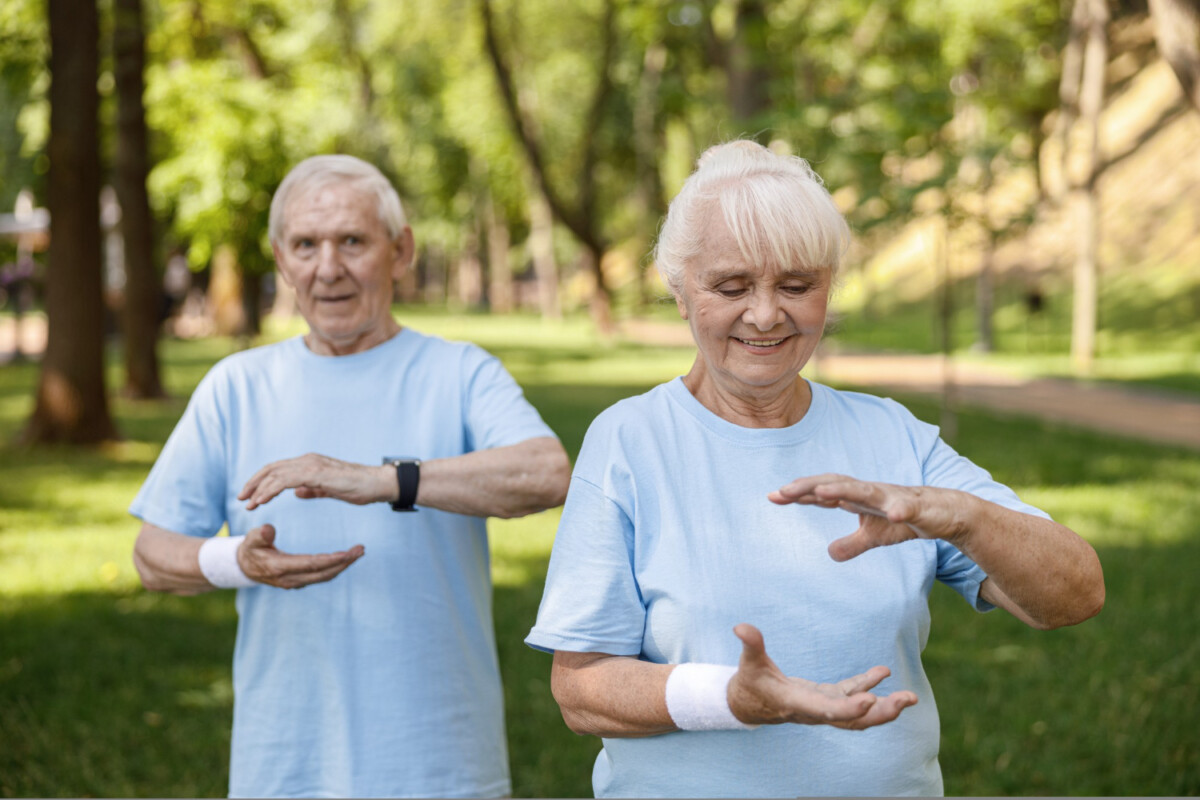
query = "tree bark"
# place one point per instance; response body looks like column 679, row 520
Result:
column 143, row 292
column 72, row 404
column 1084, row 195
column 541, row 252
column 500, row 279
column 1177, row 31
column 747, row 73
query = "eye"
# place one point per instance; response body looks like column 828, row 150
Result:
column 352, row 240
column 302, row 245
column 730, row 290
column 796, row 289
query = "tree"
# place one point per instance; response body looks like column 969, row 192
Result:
column 143, row 295
column 1177, row 31
column 72, row 404
column 580, row 214
column 1083, row 194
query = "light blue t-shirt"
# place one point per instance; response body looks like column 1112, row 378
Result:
column 668, row 541
column 385, row 680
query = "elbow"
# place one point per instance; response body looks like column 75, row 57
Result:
column 150, row 580
column 546, row 485
column 1089, row 603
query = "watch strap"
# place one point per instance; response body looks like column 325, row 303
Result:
column 408, row 476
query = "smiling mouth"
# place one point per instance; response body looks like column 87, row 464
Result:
column 335, row 298
column 763, row 343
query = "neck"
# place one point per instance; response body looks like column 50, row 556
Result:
column 323, row 346
column 774, row 406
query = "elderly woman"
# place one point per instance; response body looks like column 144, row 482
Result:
column 687, row 540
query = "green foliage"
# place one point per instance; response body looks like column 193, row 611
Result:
column 107, row 690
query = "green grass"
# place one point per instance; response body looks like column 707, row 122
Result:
column 107, row 690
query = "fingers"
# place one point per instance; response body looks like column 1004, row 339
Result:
column 289, row 571
column 884, row 710
column 802, row 490
column 864, row 682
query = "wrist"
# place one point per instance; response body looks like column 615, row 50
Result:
column 218, row 559
column 697, row 698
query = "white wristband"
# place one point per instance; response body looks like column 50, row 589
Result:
column 697, row 699
column 218, row 562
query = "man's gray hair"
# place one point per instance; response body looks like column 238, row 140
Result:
column 775, row 206
column 321, row 171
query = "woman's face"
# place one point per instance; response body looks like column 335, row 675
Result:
column 756, row 326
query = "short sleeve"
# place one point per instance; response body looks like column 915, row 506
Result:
column 591, row 602
column 497, row 413
column 185, row 491
column 944, row 467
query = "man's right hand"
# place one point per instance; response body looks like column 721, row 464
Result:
column 263, row 562
column 760, row 694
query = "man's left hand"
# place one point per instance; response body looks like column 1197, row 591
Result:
column 887, row 514
column 315, row 475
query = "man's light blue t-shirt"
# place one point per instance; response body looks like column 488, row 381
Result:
column 668, row 541
column 385, row 680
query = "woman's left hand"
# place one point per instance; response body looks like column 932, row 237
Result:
column 887, row 513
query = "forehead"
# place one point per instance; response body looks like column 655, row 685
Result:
column 721, row 258
column 329, row 208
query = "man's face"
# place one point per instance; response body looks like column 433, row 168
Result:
column 335, row 252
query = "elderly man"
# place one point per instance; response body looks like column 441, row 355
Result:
column 383, row 681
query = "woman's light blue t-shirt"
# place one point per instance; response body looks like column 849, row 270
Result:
column 668, row 541
column 385, row 680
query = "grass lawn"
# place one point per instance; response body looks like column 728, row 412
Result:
column 107, row 690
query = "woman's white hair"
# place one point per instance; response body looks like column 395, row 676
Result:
column 775, row 206
column 321, row 171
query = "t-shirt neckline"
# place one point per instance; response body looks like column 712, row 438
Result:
column 804, row 429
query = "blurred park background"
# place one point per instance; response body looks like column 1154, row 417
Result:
column 1023, row 181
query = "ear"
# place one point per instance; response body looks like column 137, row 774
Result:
column 404, row 249
column 279, row 265
column 683, row 312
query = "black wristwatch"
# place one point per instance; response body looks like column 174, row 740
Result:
column 408, row 475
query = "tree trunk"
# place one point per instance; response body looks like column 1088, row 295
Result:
column 500, row 282
column 748, row 74
column 1084, row 197
column 541, row 251
column 72, row 405
column 1177, row 31
column 143, row 293
column 1068, row 92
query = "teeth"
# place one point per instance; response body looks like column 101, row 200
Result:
column 761, row 342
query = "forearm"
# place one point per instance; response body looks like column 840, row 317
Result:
column 502, row 482
column 1043, row 572
column 169, row 562
column 611, row 696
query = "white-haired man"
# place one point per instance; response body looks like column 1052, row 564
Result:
column 383, row 682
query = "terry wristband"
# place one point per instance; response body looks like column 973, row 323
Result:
column 218, row 562
column 697, row 699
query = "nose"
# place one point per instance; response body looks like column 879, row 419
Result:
column 329, row 266
column 763, row 310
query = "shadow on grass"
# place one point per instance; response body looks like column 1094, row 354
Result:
column 115, row 695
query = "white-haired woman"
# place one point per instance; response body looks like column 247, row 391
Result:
column 679, row 553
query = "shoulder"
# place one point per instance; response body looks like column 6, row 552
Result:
column 246, row 367
column 625, row 429
column 868, row 409
column 875, row 423
column 437, row 353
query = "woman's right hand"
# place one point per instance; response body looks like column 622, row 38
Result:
column 760, row 694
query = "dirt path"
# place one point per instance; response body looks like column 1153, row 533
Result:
column 1143, row 414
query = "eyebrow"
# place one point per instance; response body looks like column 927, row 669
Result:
column 804, row 274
